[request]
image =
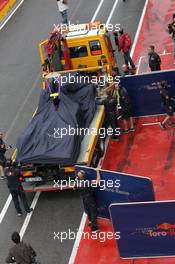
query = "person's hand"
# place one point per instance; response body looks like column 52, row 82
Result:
column 118, row 108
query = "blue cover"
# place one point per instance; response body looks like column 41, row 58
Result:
column 41, row 143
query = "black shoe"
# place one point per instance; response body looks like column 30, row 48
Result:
column 29, row 211
column 116, row 138
column 19, row 214
column 2, row 177
column 162, row 126
column 171, row 124
column 125, row 131
column 95, row 229
column 132, row 129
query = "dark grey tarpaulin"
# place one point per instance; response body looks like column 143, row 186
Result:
column 42, row 142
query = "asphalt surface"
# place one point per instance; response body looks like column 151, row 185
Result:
column 19, row 91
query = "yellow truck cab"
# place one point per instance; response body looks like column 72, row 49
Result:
column 89, row 46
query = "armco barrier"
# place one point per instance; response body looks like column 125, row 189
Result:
column 5, row 6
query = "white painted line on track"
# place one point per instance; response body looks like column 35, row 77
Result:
column 78, row 239
column 28, row 217
column 164, row 53
column 5, row 208
column 151, row 124
column 139, row 64
column 97, row 11
column 112, row 12
column 139, row 27
column 9, row 199
column 23, row 105
column 9, row 17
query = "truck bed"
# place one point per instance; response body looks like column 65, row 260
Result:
column 87, row 148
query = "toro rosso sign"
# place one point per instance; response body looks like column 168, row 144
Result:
column 147, row 229
column 161, row 230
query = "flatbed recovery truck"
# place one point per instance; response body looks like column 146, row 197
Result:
column 89, row 51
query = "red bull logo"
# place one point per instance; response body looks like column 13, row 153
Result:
column 165, row 226
column 162, row 230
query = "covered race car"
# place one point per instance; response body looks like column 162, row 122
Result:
column 54, row 134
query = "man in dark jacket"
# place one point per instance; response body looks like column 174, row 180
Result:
column 110, row 104
column 154, row 59
column 171, row 30
column 16, row 189
column 167, row 102
column 124, row 108
column 20, row 253
column 84, row 186
column 2, row 156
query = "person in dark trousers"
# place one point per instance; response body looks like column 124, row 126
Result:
column 20, row 253
column 63, row 8
column 154, row 59
column 16, row 190
column 110, row 104
column 2, row 156
column 171, row 30
column 116, row 38
column 124, row 108
column 167, row 102
column 124, row 45
column 84, row 186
